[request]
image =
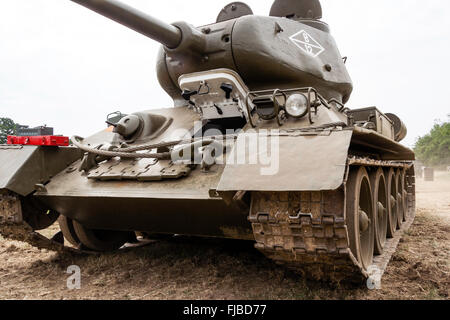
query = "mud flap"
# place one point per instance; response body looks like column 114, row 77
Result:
column 298, row 161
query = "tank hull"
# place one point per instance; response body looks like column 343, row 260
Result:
column 300, row 219
column 317, row 186
column 195, row 217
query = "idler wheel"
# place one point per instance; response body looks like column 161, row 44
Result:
column 360, row 216
column 68, row 231
column 100, row 240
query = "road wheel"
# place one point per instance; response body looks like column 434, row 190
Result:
column 380, row 200
column 392, row 200
column 404, row 195
column 360, row 216
column 101, row 240
column 400, row 202
column 68, row 231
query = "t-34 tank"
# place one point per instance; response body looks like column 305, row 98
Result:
column 259, row 146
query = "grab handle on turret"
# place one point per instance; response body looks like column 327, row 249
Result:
column 166, row 34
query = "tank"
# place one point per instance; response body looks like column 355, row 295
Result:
column 258, row 146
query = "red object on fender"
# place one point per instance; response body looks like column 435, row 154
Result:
column 55, row 141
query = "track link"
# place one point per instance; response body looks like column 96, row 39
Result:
column 13, row 227
column 307, row 231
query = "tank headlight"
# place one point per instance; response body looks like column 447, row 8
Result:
column 297, row 105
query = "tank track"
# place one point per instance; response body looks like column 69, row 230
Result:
column 305, row 232
column 13, row 227
column 300, row 230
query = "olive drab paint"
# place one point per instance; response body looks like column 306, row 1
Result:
column 258, row 145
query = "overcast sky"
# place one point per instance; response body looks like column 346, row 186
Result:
column 67, row 67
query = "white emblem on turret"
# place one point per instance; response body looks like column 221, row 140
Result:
column 307, row 43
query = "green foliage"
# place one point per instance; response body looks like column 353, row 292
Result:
column 433, row 149
column 7, row 127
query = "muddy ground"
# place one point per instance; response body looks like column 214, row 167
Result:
column 231, row 269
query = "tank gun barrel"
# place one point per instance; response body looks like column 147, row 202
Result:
column 164, row 33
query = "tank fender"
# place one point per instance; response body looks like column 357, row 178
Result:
column 22, row 167
column 304, row 161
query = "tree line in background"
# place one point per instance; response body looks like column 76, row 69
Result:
column 433, row 149
column 7, row 128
